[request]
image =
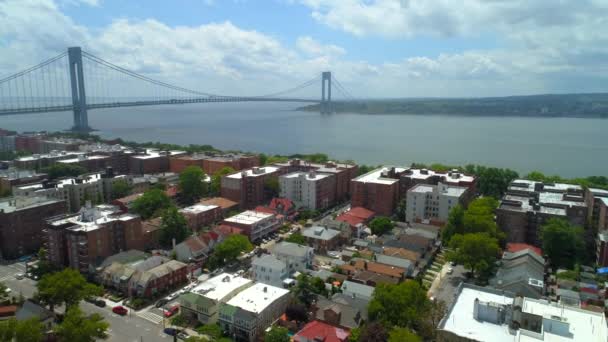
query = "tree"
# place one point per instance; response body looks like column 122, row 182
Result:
column 355, row 334
column 401, row 209
column 380, row 225
column 59, row 170
column 430, row 323
column 216, row 179
column 296, row 312
column 44, row 266
column 373, row 332
column 401, row 305
column 272, row 187
column 563, row 243
column 3, row 294
column 477, row 252
column 173, row 226
column 477, row 218
column 7, row 329
column 263, row 159
column 191, row 184
column 232, row 247
column 296, row 237
column 67, row 286
column 120, row 188
column 307, row 287
column 403, row 335
column 454, row 225
column 78, row 327
column 30, row 330
column 212, row 330
column 151, row 203
column 277, row 334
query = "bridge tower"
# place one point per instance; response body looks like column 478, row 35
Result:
column 79, row 99
column 326, row 100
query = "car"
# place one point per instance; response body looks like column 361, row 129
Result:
column 183, row 335
column 452, row 263
column 7, row 291
column 170, row 331
column 120, row 310
column 19, row 276
column 450, row 270
column 161, row 302
column 171, row 311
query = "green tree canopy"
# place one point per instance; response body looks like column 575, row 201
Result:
column 30, row 330
column 403, row 335
column 229, row 249
column 59, row 170
column 373, row 332
column 173, row 226
column 191, row 184
column 454, row 225
column 151, row 203
column 67, row 287
column 3, row 294
column 477, row 218
column 296, row 237
column 476, row 251
column 402, row 305
column 120, row 188
column 563, row 243
column 277, row 334
column 380, row 225
column 212, row 330
column 272, row 186
column 78, row 327
column 307, row 287
column 216, row 179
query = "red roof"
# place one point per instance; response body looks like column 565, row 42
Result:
column 227, row 230
column 263, row 209
column 516, row 247
column 589, row 290
column 318, row 329
column 285, row 203
column 171, row 191
column 355, row 216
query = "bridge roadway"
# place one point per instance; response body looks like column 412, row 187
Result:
column 151, row 103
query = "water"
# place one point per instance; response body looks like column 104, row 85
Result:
column 570, row 147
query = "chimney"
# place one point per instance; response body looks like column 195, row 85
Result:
column 265, row 289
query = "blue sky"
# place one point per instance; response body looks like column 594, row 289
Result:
column 379, row 48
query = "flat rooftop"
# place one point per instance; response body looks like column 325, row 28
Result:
column 82, row 158
column 375, row 176
column 198, row 208
column 526, row 206
column 451, row 176
column 53, row 154
column 218, row 287
column 248, row 217
column 446, row 189
column 460, row 320
column 15, row 204
column 89, row 219
column 254, row 172
column 308, row 175
column 257, row 297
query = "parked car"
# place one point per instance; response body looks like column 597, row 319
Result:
column 170, row 331
column 161, row 302
column 171, row 311
column 120, row 310
column 19, row 276
column 96, row 301
column 450, row 270
column 183, row 335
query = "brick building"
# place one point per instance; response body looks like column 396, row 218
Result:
column 201, row 215
column 412, row 177
column 151, row 161
column 211, row 163
column 91, row 163
column 247, row 187
column 28, row 143
column 433, row 202
column 83, row 240
column 22, row 221
column 309, row 190
column 255, row 225
column 38, row 161
column 377, row 190
column 13, row 177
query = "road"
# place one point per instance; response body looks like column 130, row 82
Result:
column 448, row 284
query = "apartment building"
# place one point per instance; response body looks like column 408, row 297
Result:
column 14, row 177
column 247, row 315
column 310, row 190
column 212, row 163
column 203, row 302
column 528, row 205
column 151, row 161
column 91, row 163
column 377, row 190
column 269, row 270
column 201, row 215
column 413, row 176
column 247, row 187
column 433, row 202
column 254, row 224
column 22, row 221
column 96, row 187
column 37, row 161
column 343, row 173
column 298, row 258
column 599, row 215
column 84, row 240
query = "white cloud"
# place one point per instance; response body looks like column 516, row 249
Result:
column 314, row 48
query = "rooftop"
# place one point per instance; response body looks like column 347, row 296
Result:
column 310, row 176
column 220, row 286
column 254, row 172
column 248, row 217
column 220, row 201
column 52, row 154
column 291, row 248
column 444, row 189
column 91, row 218
column 268, row 260
column 320, row 233
column 363, row 291
column 450, row 177
column 82, row 158
column 198, row 208
column 257, row 297
column 20, row 203
column 377, row 176
column 319, row 331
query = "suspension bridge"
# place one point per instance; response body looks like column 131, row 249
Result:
column 79, row 81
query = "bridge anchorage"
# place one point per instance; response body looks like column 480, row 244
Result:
column 79, row 81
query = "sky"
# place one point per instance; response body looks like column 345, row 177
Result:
column 375, row 48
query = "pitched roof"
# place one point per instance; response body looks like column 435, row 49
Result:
column 359, row 289
column 356, row 215
column 375, row 267
column 226, row 230
column 401, row 253
column 320, row 233
column 321, row 331
column 285, row 203
column 31, row 310
column 222, row 202
column 350, row 316
column 291, row 248
column 516, row 247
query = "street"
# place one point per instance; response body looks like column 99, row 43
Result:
column 445, row 286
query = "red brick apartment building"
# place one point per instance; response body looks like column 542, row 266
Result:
column 213, row 163
column 377, row 190
column 201, row 215
column 247, row 188
column 22, row 222
column 83, row 240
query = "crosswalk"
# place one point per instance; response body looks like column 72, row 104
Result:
column 150, row 316
column 8, row 277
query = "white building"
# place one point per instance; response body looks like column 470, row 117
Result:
column 298, row 258
column 203, row 301
column 432, row 202
column 248, row 314
column 269, row 270
column 255, row 223
column 309, row 190
column 483, row 314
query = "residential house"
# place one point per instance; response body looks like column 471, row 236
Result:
column 269, row 270
column 356, row 290
column 322, row 239
column 297, row 257
column 30, row 310
column 159, row 279
column 197, row 248
column 521, row 272
column 319, row 331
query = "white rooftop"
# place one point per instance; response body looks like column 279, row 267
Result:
column 257, row 297
column 452, row 176
column 248, row 217
column 198, row 208
column 82, row 158
column 444, row 189
column 20, row 203
column 308, row 175
column 89, row 219
column 218, row 287
column 375, row 176
column 254, row 172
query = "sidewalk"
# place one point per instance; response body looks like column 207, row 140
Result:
column 437, row 281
